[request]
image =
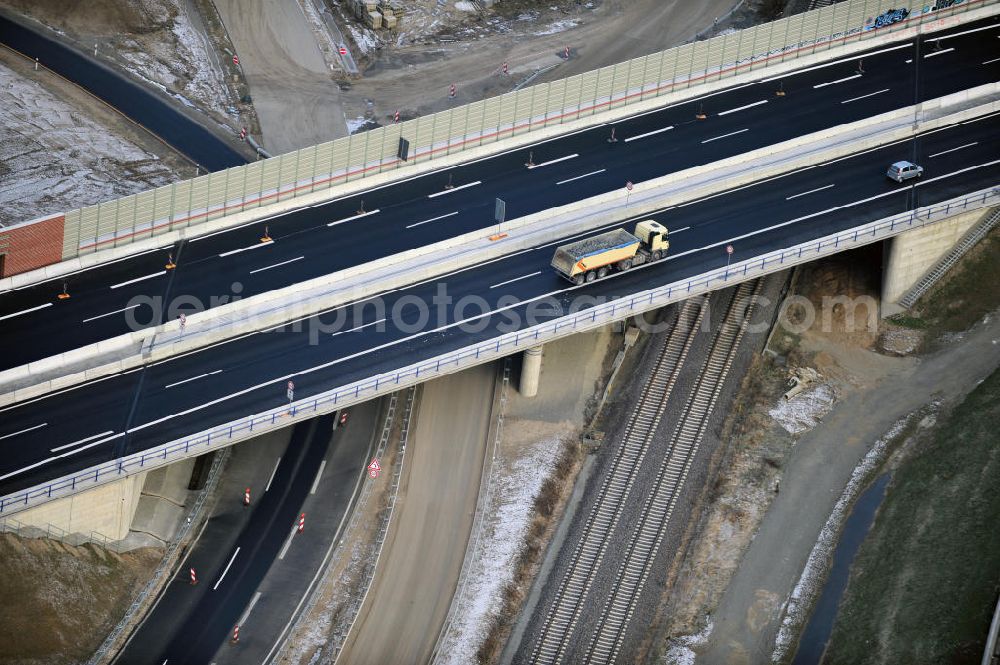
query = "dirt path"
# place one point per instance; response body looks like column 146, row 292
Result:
column 424, row 549
column 416, row 79
column 293, row 93
column 815, row 474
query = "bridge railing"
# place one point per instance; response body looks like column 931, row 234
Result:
column 498, row 347
column 530, row 109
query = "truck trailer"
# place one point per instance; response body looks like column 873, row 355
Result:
column 593, row 258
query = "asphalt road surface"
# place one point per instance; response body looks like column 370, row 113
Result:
column 102, row 420
column 140, row 104
column 423, row 552
column 189, row 622
column 120, row 297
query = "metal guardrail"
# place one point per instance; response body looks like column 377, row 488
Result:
column 498, row 347
column 340, row 638
column 53, row 532
column 355, row 523
column 157, row 211
column 487, row 485
column 155, row 583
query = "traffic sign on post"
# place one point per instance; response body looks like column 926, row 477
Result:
column 343, row 50
column 291, row 391
column 236, row 60
column 374, row 468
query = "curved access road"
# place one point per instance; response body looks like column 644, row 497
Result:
column 138, row 103
column 422, row 555
column 293, row 93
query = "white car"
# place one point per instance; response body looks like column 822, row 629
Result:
column 901, row 171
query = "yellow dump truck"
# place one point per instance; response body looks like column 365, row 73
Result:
column 593, row 258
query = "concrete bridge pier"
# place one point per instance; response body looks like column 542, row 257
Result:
column 915, row 259
column 531, row 371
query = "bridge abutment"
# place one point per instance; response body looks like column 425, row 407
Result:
column 911, row 255
column 107, row 510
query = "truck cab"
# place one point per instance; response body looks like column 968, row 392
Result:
column 653, row 236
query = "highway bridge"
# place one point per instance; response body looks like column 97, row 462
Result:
column 68, row 439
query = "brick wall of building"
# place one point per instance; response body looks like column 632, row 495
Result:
column 31, row 246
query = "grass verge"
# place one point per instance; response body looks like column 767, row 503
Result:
column 57, row 602
column 964, row 296
column 926, row 578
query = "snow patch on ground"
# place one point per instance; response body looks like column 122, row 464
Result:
column 355, row 124
column 515, row 484
column 805, row 410
column 798, row 605
column 364, row 39
column 558, row 26
column 183, row 61
column 681, row 649
column 55, row 158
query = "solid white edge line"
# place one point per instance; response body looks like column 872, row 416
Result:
column 740, row 108
column 934, row 53
column 245, row 249
column 288, row 543
column 85, row 384
column 945, row 152
column 966, row 32
column 958, row 172
column 837, row 62
column 54, row 458
column 358, row 216
column 519, row 304
column 988, row 62
column 870, row 94
column 319, row 474
column 982, row 117
column 299, row 258
column 811, row 191
column 76, row 443
column 846, row 78
column 249, row 609
column 256, row 221
column 117, row 311
column 563, row 182
column 231, row 559
column 273, row 472
column 139, row 279
column 63, row 276
column 454, row 189
column 25, row 311
column 7, row 436
column 822, row 212
column 357, row 328
column 193, row 378
column 433, row 219
column 537, row 272
column 716, row 138
column 554, row 161
column 655, row 131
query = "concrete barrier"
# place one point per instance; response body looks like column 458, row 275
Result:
column 522, row 140
column 482, row 352
column 273, row 308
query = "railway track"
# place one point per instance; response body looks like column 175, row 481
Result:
column 591, row 547
column 606, row 642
